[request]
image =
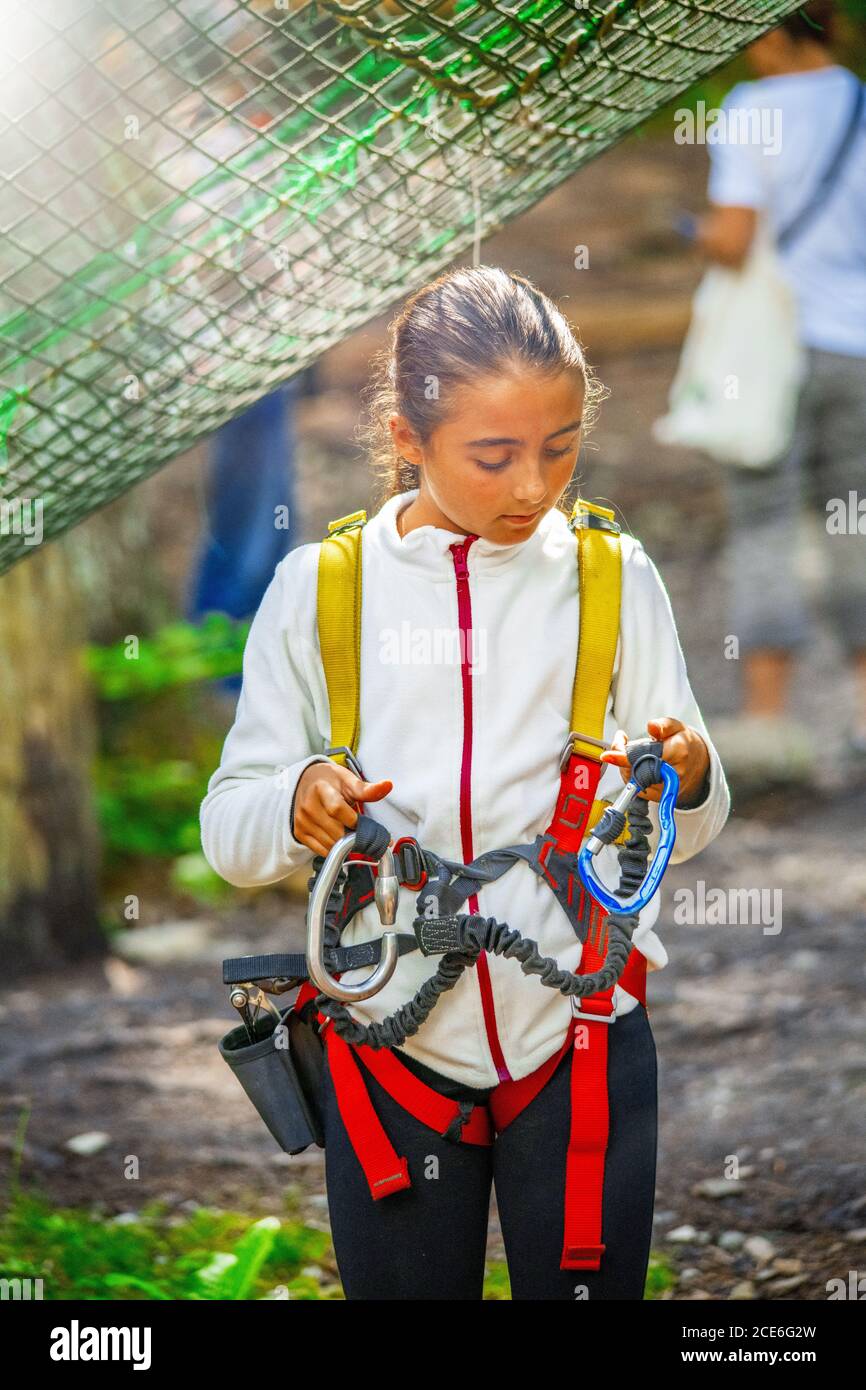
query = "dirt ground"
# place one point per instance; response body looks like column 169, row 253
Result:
column 760, row 1034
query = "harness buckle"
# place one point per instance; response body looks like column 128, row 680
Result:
column 567, row 747
column 347, row 523
column 591, row 515
column 351, row 761
column 578, row 1012
column 405, row 850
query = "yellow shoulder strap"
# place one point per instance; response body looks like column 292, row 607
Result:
column 600, row 578
column 599, row 564
column 339, row 619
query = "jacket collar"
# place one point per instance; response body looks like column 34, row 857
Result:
column 428, row 548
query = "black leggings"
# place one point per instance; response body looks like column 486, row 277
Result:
column 429, row 1241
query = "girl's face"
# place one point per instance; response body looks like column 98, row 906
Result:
column 503, row 456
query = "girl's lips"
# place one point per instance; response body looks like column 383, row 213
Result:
column 521, row 520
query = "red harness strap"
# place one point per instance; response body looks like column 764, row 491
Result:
column 417, row 1097
column 384, row 1170
column 582, row 1246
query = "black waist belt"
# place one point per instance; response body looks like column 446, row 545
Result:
column 293, row 965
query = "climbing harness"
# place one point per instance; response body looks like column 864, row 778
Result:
column 365, row 867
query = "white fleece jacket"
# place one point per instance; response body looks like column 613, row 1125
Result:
column 416, row 710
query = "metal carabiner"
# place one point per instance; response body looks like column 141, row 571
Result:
column 610, row 826
column 387, row 894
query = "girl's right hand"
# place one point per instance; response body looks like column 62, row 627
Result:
column 325, row 804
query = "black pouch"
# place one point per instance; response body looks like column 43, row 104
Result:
column 283, row 1082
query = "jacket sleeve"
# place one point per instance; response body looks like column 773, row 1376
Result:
column 652, row 681
column 739, row 172
column 246, row 826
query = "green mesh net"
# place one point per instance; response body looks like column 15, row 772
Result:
column 200, row 196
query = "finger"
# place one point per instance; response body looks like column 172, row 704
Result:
column 350, row 785
column 616, row 753
column 312, row 839
column 615, row 757
column 374, row 791
column 621, row 763
column 664, row 727
column 361, row 790
column 676, row 751
column 334, row 804
column 317, row 846
column 320, row 823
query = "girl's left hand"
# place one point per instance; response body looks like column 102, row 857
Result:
column 683, row 748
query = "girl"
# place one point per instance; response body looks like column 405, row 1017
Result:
column 478, row 414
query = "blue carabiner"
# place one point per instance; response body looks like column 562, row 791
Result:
column 667, row 839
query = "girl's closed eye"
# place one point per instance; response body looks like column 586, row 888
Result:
column 495, row 467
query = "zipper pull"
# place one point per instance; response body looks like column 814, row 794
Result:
column 461, row 564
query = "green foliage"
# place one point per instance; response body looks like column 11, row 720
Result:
column 177, row 654
column 497, row 1285
column 661, row 1275
column 204, row 1255
column 160, row 742
column 192, row 874
column 148, row 808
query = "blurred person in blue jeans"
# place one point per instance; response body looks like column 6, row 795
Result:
column 252, row 519
column 826, row 268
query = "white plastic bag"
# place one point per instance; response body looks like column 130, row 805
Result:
column 735, row 391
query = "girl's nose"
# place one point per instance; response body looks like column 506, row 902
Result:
column 530, row 490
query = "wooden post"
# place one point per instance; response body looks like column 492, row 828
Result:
column 49, row 837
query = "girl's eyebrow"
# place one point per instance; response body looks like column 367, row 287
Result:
column 483, row 443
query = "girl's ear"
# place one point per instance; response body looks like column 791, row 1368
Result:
column 404, row 441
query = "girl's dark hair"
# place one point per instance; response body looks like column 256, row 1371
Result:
column 470, row 322
column 814, row 21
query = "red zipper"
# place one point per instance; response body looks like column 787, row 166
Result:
column 464, row 616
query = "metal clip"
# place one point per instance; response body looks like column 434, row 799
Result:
column 246, row 996
column 351, row 761
column 666, row 841
column 387, row 904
